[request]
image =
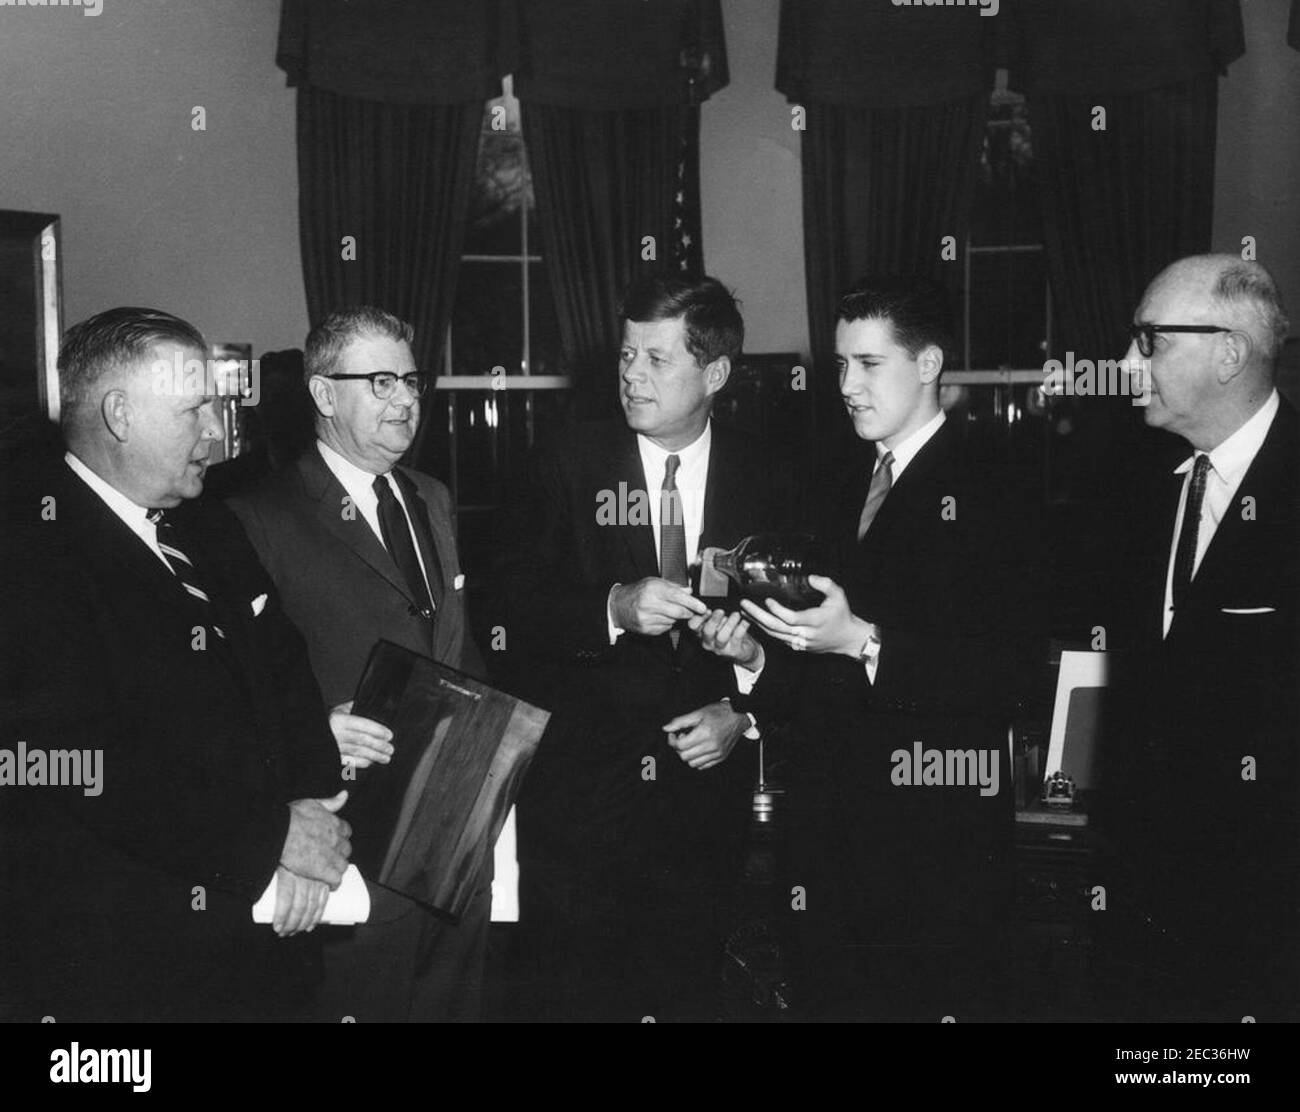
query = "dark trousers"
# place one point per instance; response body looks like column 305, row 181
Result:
column 620, row 943
column 406, row 965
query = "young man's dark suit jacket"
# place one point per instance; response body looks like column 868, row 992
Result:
column 344, row 591
column 899, row 875
column 1213, row 855
column 595, row 830
column 136, row 904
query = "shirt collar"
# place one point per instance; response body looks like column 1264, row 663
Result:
column 352, row 477
column 133, row 514
column 1231, row 458
column 688, row 456
column 906, row 451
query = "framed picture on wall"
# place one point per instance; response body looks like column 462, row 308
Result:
column 31, row 314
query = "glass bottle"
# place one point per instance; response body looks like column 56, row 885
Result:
column 765, row 565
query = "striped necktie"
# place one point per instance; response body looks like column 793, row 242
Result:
column 1189, row 534
column 881, row 482
column 182, row 566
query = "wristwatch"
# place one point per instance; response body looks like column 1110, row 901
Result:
column 870, row 648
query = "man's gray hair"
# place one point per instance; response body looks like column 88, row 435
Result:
column 1249, row 286
column 107, row 342
column 325, row 342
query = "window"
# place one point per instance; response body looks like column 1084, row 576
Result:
column 499, row 376
column 1006, row 314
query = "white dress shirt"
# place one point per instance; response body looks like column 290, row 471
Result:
column 1229, row 463
column 136, row 518
column 904, row 452
column 359, row 485
column 691, row 478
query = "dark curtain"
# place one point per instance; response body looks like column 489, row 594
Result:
column 615, row 55
column 611, row 92
column 390, row 102
column 605, row 181
column 881, row 188
column 397, row 178
column 1120, row 204
column 895, row 101
column 399, row 51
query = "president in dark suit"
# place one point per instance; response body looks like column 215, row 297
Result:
column 1203, row 777
column 902, row 685
column 141, row 632
column 634, row 812
column 361, row 550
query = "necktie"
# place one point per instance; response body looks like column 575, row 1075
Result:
column 1185, row 553
column 418, row 515
column 396, row 532
column 882, row 479
column 672, row 532
column 182, row 566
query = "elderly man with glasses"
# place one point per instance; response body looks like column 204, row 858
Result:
column 1203, row 778
column 363, row 549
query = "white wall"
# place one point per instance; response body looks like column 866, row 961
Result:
column 1257, row 170
column 95, row 126
column 750, row 187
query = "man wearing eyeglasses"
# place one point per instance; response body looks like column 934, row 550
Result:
column 1205, row 777
column 363, row 549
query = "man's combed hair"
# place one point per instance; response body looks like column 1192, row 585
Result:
column 1249, row 285
column 325, row 342
column 110, row 340
column 710, row 312
column 916, row 308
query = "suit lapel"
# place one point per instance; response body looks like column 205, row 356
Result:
column 109, row 534
column 904, row 490
column 638, row 540
column 724, row 496
column 435, row 560
column 1261, row 482
column 353, row 532
column 1156, row 563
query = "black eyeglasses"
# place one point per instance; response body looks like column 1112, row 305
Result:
column 384, row 383
column 1145, row 334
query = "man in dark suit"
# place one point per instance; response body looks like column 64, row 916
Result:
column 633, row 815
column 905, row 680
column 138, row 625
column 363, row 550
column 1203, row 777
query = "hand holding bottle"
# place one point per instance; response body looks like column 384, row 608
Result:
column 830, row 627
column 652, row 606
column 728, row 636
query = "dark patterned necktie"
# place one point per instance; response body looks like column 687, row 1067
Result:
column 882, row 481
column 672, row 533
column 1185, row 553
column 182, row 566
column 396, row 532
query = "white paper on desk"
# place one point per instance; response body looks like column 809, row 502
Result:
column 348, row 904
column 505, row 879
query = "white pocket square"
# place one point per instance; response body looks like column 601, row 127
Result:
column 1250, row 610
column 258, row 604
column 458, row 583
